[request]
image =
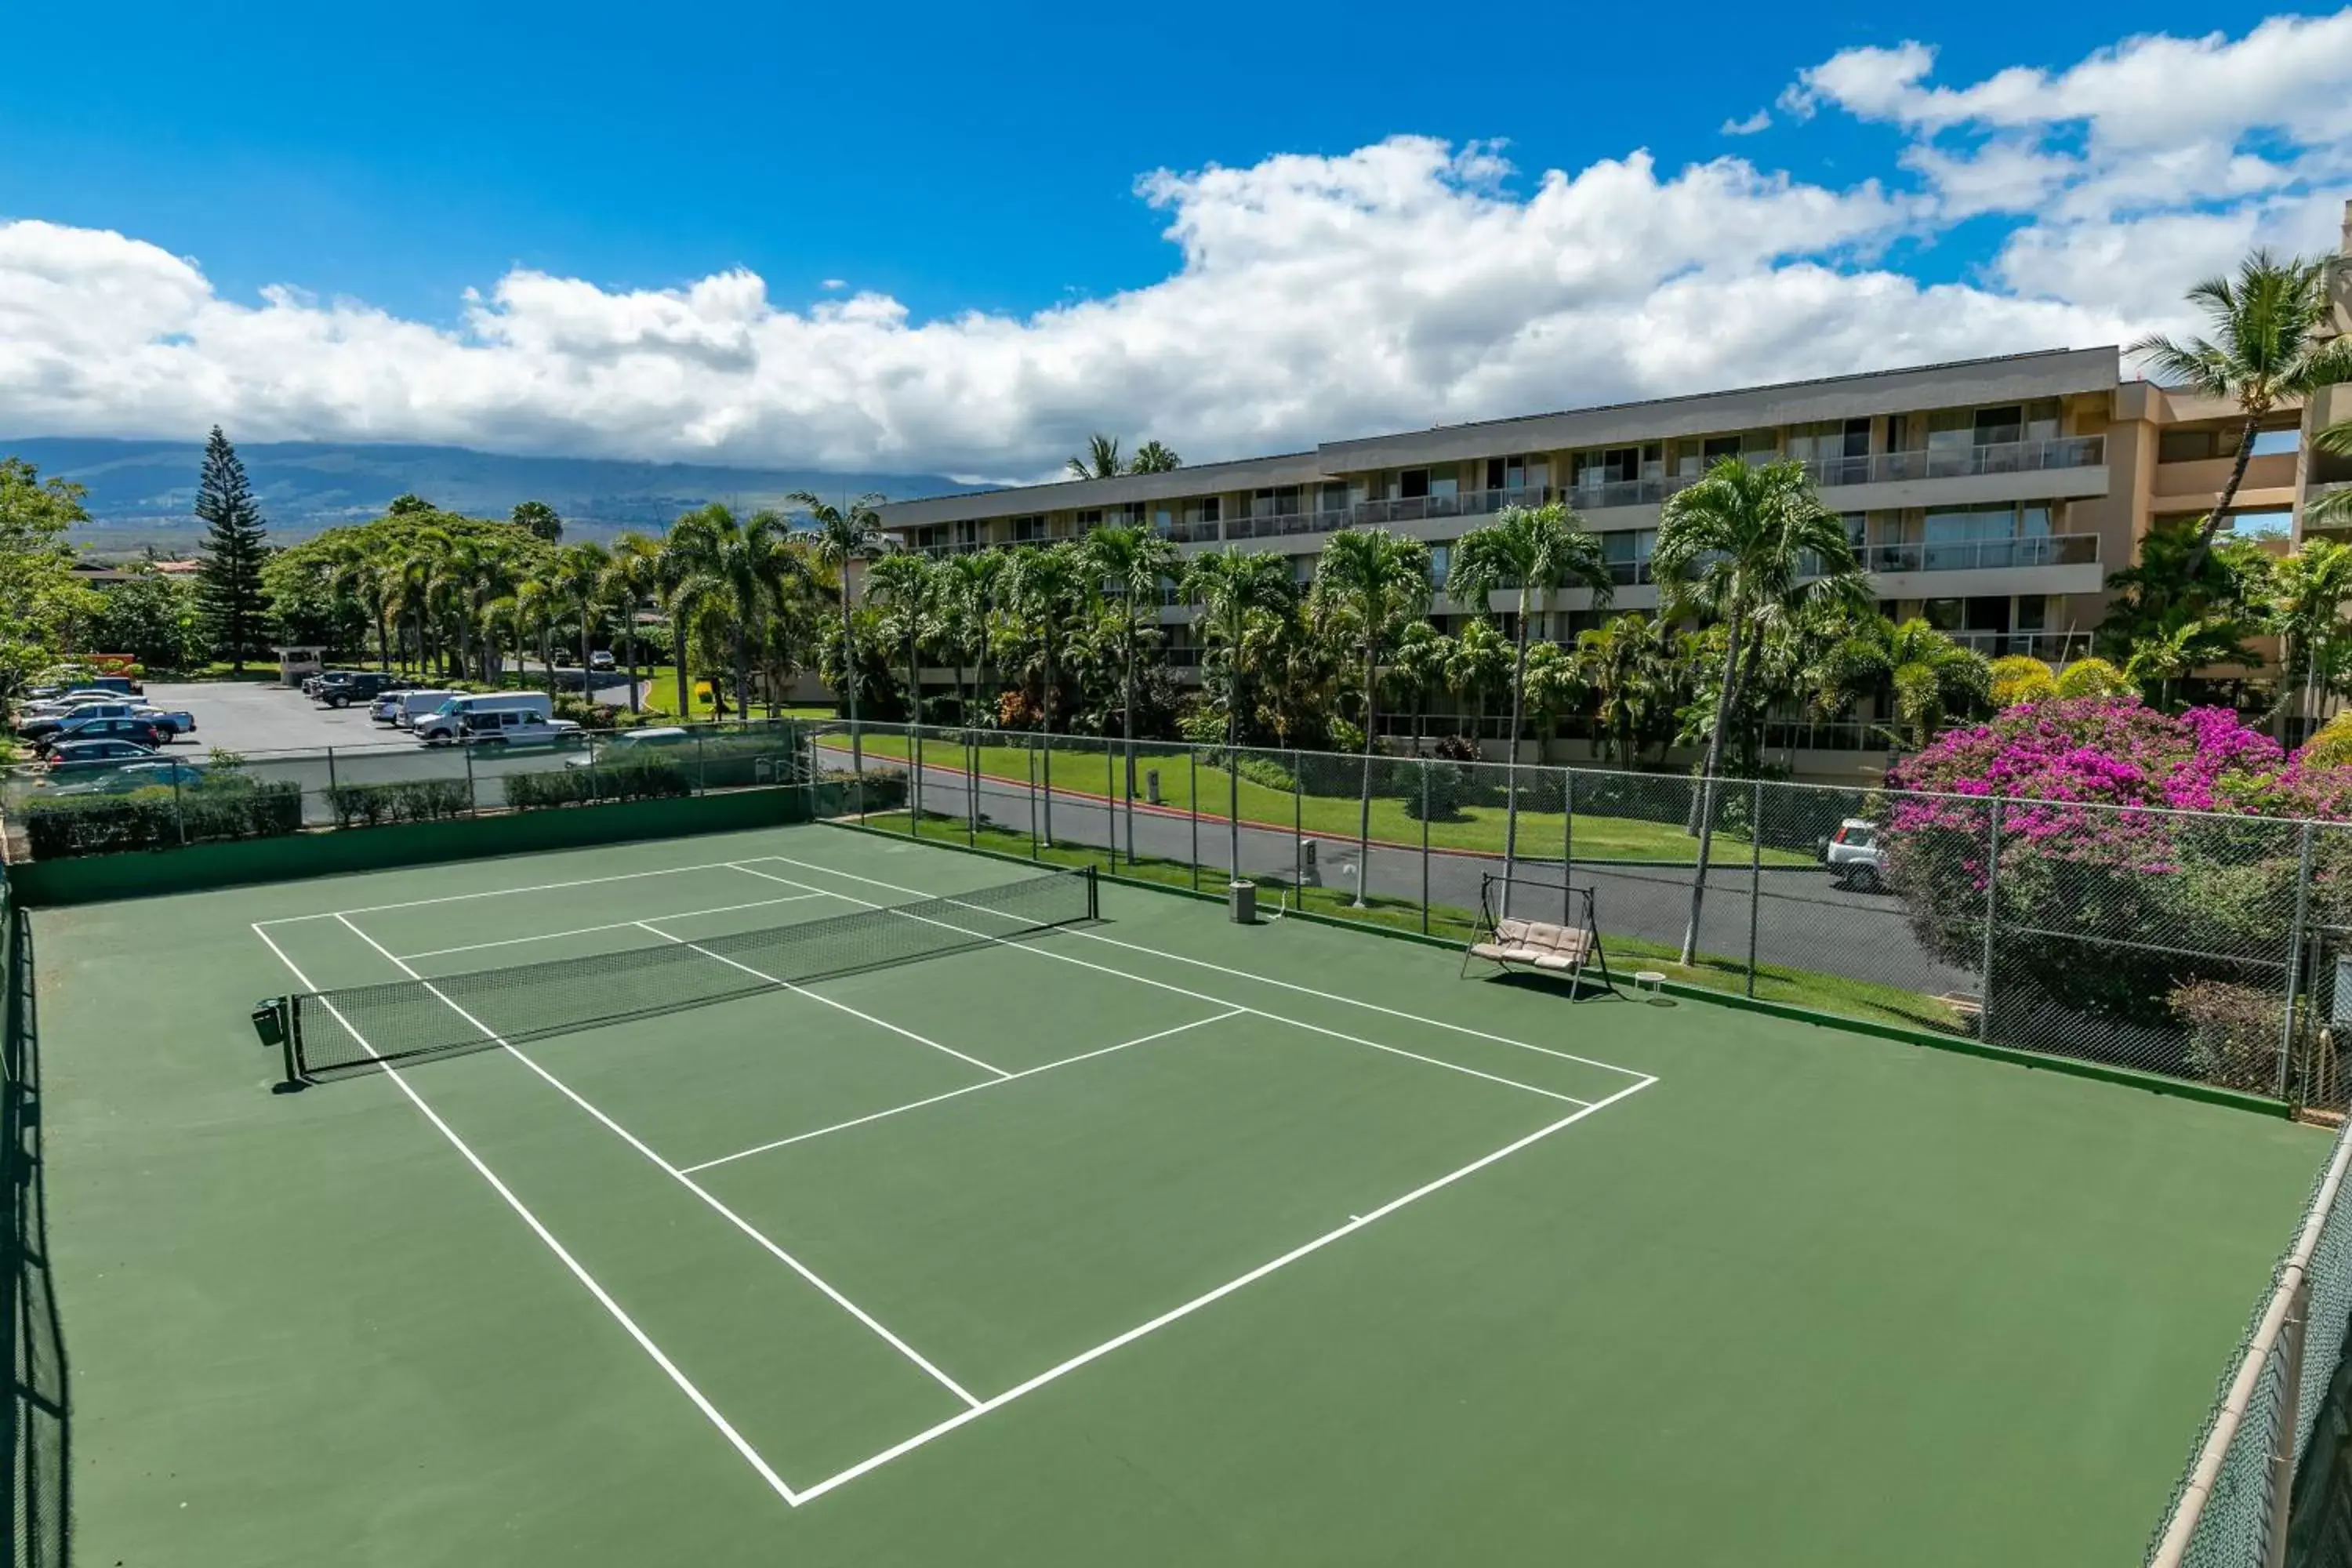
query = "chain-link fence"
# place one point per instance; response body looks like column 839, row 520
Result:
column 184, row 794
column 40, row 1471
column 2200, row 946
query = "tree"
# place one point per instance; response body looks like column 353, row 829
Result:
column 1129, row 564
column 845, row 533
column 578, row 576
column 1100, row 460
column 2310, row 588
column 409, row 503
column 1539, row 551
column 40, row 600
column 1738, row 547
column 540, row 520
column 1624, row 661
column 235, row 542
column 2269, row 347
column 1370, row 582
column 1046, row 588
column 1417, row 668
column 1478, row 661
column 2176, row 653
column 631, row 581
column 1154, row 457
column 2175, row 583
column 152, row 617
column 972, row 587
column 2334, row 509
column 1931, row 678
column 1235, row 588
column 746, row 567
column 903, row 586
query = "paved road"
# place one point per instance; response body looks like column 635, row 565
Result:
column 1803, row 921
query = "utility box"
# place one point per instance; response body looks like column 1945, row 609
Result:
column 1244, row 899
column 1151, row 785
column 1309, row 874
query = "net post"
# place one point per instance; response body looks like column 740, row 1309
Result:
column 1094, row 893
column 1754, row 878
column 2294, row 958
column 1991, row 916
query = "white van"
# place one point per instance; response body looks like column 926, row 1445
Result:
column 500, row 717
column 406, row 708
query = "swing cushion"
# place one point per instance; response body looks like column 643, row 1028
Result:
column 1533, row 943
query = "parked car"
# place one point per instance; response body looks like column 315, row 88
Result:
column 144, row 731
column 507, row 727
column 403, row 709
column 82, row 756
column 66, row 702
column 345, row 688
column 312, row 683
column 601, row 659
column 137, row 775
column 1855, row 857
column 520, row 714
column 632, row 744
column 37, row 730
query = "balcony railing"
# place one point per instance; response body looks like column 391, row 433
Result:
column 1189, row 534
column 1281, row 524
column 1962, row 462
column 1984, row 554
column 959, row 547
column 1466, row 503
column 2051, row 647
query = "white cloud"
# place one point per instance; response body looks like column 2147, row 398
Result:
column 1401, row 284
column 1759, row 121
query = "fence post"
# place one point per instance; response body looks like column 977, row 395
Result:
column 473, row 801
column 1993, row 908
column 331, row 772
column 1110, row 810
column 2294, row 957
column 179, row 817
column 1029, row 756
column 2280, row 1461
column 1425, row 846
column 1192, row 806
column 1298, row 832
column 971, row 789
column 1566, row 845
column 1755, row 878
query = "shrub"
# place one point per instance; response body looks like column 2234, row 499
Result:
column 1448, row 788
column 400, row 800
column 2234, row 1032
column 1456, row 748
column 648, row 778
column 2090, row 677
column 217, row 811
column 1262, row 770
column 2019, row 679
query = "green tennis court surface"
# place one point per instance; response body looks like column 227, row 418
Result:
column 1146, row 1240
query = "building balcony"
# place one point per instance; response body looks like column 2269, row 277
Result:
column 1464, row 503
column 1962, row 462
column 1190, row 534
column 2050, row 647
column 1984, row 554
column 960, row 547
column 1283, row 525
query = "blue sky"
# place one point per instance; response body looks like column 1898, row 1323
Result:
column 986, row 159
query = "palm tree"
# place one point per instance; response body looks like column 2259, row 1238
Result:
column 1155, row 458
column 536, row 604
column 852, row 531
column 1932, row 678
column 747, row 567
column 1100, row 460
column 972, row 587
column 1044, row 590
column 1417, row 668
column 1128, row 563
column 1372, row 582
column 578, row 573
column 372, row 578
column 2335, row 507
column 903, row 586
column 2267, row 348
column 1235, row 588
column 1478, row 660
column 2313, row 584
column 633, row 578
column 1736, row 547
column 2172, row 654
column 1540, row 549
column 1622, row 659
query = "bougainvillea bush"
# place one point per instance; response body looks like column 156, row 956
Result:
column 2139, row 852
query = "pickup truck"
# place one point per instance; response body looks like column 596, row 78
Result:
column 179, row 723
column 343, row 687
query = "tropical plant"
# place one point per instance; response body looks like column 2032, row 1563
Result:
column 2017, row 679
column 1100, row 460
column 2310, row 589
column 1626, row 668
column 578, row 575
column 1931, row 678
column 1235, row 589
column 1045, row 590
column 540, row 520
column 749, row 567
column 631, row 581
column 2273, row 344
column 1369, row 584
column 2090, row 677
column 1154, row 457
column 1478, row 661
column 972, row 591
column 1127, row 565
column 901, row 585
column 1417, row 668
column 845, row 533
column 2333, row 509
column 1747, row 546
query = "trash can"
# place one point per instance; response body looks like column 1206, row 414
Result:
column 1244, row 897
column 1309, row 874
column 1151, row 785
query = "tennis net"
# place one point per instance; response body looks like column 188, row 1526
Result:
column 361, row 1026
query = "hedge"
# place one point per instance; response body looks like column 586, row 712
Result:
column 214, row 812
column 403, row 800
column 649, row 779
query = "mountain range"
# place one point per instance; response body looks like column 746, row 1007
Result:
column 140, row 493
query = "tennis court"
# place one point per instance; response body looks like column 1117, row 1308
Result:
column 803, row 1192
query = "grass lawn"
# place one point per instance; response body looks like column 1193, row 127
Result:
column 1795, row 988
column 1542, row 834
column 657, row 693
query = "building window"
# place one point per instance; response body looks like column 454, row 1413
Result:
column 1206, row 510
column 1334, row 496
column 1412, row 484
column 1441, row 562
column 1029, row 529
column 2033, row 612
column 2258, row 524
column 1523, row 473
column 1944, row 615
column 2277, row 443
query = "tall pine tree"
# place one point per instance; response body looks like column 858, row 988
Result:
column 229, row 584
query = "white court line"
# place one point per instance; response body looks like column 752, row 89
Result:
column 1197, row 1302
column 603, row 1298
column 1178, row 990
column 631, row 1139
column 816, row 997
column 1226, row 968
column 954, row 1093
column 495, row 893
column 616, row 925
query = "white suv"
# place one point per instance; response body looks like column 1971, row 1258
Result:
column 1854, row 855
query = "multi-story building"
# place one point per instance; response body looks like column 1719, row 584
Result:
column 1991, row 497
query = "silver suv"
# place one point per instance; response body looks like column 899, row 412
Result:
column 1854, row 855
